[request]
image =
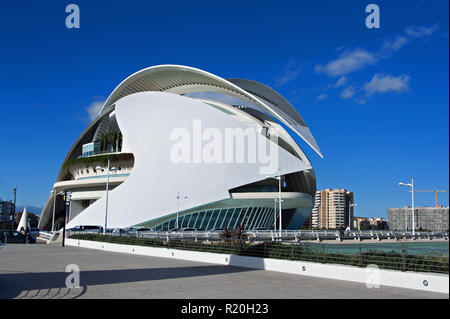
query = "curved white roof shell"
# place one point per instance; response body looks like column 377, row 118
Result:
column 183, row 79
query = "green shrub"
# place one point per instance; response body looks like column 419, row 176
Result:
column 278, row 250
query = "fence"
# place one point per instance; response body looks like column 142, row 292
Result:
column 296, row 235
column 385, row 257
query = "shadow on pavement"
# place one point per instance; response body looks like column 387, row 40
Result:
column 13, row 285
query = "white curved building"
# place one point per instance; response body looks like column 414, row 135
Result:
column 185, row 142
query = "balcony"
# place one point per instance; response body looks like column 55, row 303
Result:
column 85, row 167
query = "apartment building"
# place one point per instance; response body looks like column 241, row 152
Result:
column 332, row 209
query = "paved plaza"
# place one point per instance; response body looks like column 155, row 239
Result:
column 38, row 271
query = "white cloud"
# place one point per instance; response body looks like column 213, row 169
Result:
column 290, row 73
column 93, row 110
column 361, row 101
column 387, row 83
column 348, row 61
column 421, row 31
column 321, row 97
column 395, row 44
column 340, row 82
column 348, row 92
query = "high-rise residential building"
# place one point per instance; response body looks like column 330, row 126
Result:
column 332, row 209
column 6, row 210
column 426, row 218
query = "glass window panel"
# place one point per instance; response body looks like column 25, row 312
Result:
column 251, row 218
column 231, row 217
column 219, row 218
column 171, row 224
column 255, row 216
column 181, row 221
column 213, row 219
column 225, row 218
column 262, row 222
column 199, row 220
column 187, row 219
column 247, row 219
column 237, row 216
column 196, row 219
column 261, row 213
column 192, row 219
column 243, row 216
column 205, row 219
column 267, row 219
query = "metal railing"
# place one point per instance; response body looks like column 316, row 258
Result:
column 104, row 152
column 295, row 235
column 402, row 258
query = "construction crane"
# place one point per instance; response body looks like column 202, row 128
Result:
column 431, row 191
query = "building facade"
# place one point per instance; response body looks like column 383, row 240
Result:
column 361, row 223
column 6, row 210
column 332, row 209
column 366, row 223
column 426, row 218
column 181, row 147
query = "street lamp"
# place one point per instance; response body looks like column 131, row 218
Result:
column 67, row 198
column 178, row 197
column 350, row 216
column 53, row 191
column 412, row 208
column 275, row 214
column 108, row 169
column 14, row 209
column 278, row 177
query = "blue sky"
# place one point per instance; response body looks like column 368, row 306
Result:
column 376, row 100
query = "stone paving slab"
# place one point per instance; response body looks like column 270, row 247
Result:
column 35, row 271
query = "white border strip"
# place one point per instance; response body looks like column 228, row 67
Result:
column 370, row 276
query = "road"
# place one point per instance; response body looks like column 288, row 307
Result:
column 38, row 271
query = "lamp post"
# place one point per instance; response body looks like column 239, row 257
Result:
column 108, row 169
column 275, row 214
column 350, row 215
column 67, row 198
column 14, row 209
column 53, row 191
column 279, row 196
column 178, row 197
column 412, row 207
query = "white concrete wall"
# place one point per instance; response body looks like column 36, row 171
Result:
column 368, row 276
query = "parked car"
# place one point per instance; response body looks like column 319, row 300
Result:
column 118, row 231
column 185, row 229
column 135, row 230
column 14, row 236
column 34, row 231
column 86, row 228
